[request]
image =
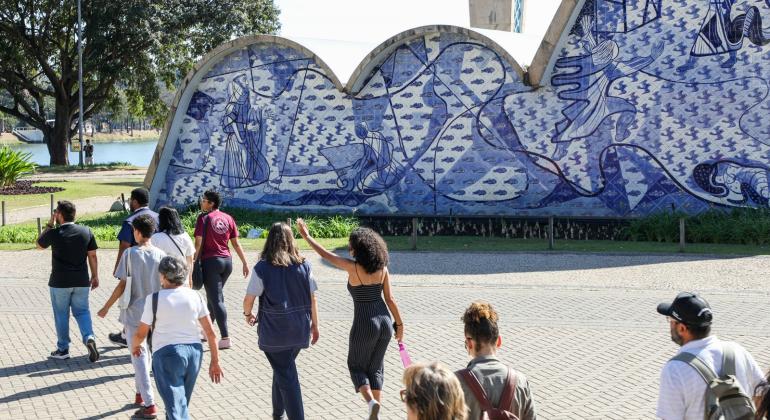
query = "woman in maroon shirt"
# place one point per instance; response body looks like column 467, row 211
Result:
column 216, row 261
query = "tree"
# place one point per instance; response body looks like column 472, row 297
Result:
column 136, row 43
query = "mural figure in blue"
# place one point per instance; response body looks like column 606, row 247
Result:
column 722, row 34
column 244, row 162
column 440, row 123
column 368, row 167
column 588, row 86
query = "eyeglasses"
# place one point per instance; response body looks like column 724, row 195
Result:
column 403, row 395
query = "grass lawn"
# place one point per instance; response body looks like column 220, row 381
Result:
column 73, row 190
column 113, row 166
column 9, row 139
column 480, row 244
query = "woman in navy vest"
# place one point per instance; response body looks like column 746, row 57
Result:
column 287, row 315
column 373, row 326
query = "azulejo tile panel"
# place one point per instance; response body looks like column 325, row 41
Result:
column 651, row 105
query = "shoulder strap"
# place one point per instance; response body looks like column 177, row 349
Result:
column 509, row 392
column 175, row 244
column 155, row 297
column 728, row 360
column 203, row 235
column 476, row 388
column 703, row 370
column 355, row 265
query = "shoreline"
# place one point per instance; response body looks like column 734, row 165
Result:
column 8, row 139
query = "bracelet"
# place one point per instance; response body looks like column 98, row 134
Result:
column 245, row 314
column 399, row 325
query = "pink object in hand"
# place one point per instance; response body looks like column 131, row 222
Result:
column 404, row 354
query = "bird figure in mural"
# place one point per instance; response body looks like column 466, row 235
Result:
column 244, row 162
column 588, row 88
column 722, row 34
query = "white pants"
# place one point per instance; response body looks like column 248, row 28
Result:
column 89, row 160
column 142, row 366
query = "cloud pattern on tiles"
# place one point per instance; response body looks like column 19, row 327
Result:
column 652, row 105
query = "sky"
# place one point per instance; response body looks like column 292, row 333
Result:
column 343, row 32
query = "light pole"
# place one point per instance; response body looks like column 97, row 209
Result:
column 80, row 85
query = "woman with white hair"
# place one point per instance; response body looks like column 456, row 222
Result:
column 174, row 314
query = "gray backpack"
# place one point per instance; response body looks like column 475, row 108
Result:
column 724, row 398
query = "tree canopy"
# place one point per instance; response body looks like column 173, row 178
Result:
column 128, row 44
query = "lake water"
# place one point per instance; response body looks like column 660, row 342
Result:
column 138, row 153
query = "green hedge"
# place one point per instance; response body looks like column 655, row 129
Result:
column 737, row 226
column 107, row 226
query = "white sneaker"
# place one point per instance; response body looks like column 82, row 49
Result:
column 374, row 410
column 224, row 344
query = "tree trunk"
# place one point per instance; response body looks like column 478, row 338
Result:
column 58, row 139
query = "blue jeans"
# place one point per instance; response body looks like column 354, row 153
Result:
column 176, row 368
column 287, row 395
column 62, row 300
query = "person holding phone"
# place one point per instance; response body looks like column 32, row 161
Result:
column 368, row 282
column 287, row 315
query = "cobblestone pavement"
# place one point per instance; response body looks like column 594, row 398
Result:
column 582, row 327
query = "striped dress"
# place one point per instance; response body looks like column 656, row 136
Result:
column 369, row 336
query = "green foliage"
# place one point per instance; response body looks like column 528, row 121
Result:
column 129, row 48
column 107, row 226
column 737, row 226
column 14, row 164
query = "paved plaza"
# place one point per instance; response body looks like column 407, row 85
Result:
column 582, row 327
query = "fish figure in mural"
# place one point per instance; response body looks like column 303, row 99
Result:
column 244, row 162
column 722, row 34
column 369, row 166
column 736, row 183
column 588, row 88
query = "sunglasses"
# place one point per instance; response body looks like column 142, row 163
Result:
column 403, row 395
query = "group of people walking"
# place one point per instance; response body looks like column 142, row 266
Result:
column 165, row 321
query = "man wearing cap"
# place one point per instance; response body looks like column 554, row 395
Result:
column 682, row 390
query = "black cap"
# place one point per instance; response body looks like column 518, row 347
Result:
column 688, row 308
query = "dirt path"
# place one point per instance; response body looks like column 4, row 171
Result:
column 119, row 173
column 85, row 206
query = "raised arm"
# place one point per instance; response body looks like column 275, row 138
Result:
column 334, row 259
column 393, row 306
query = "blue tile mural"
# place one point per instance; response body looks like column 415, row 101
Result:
column 652, row 105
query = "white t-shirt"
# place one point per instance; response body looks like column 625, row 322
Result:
column 683, row 391
column 163, row 241
column 176, row 321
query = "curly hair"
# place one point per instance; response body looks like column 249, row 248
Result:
column 434, row 392
column 370, row 250
column 480, row 321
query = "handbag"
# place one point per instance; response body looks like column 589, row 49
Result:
column 197, row 274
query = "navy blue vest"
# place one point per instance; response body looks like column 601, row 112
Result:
column 284, row 307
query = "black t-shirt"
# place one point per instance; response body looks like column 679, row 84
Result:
column 70, row 244
column 89, row 149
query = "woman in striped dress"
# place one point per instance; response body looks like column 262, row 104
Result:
column 368, row 283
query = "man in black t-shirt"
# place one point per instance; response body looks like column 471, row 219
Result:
column 72, row 245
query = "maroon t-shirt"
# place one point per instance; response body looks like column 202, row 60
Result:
column 220, row 229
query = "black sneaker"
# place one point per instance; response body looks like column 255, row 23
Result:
column 60, row 354
column 117, row 338
column 93, row 352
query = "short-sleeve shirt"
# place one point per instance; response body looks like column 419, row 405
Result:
column 682, row 392
column 256, row 285
column 69, row 256
column 145, row 279
column 221, row 228
column 176, row 321
column 184, row 245
column 126, row 233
